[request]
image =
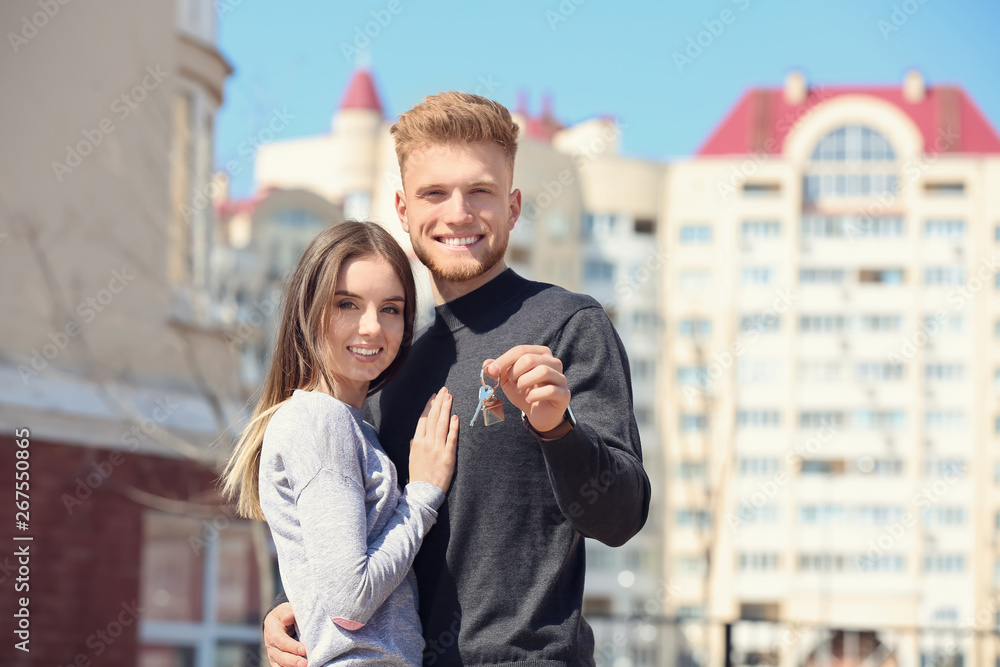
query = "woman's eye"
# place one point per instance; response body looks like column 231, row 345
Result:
column 346, row 304
column 392, row 310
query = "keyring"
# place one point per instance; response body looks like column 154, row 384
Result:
column 482, row 378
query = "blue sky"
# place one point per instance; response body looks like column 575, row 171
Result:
column 594, row 58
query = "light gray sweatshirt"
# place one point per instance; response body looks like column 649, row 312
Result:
column 345, row 534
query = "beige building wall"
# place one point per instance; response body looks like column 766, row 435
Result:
column 770, row 371
column 105, row 238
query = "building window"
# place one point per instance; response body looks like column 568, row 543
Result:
column 945, row 467
column 946, row 516
column 599, row 271
column 695, row 518
column 696, row 234
column 642, row 368
column 690, row 611
column 693, row 376
column 944, row 188
column 761, row 229
column 750, row 513
column 761, row 189
column 944, row 372
column 756, row 275
column 884, row 419
column 645, row 226
column 879, row 371
column 851, row 161
column 944, row 563
column 199, row 591
column 694, row 423
column 691, row 470
column 853, row 143
column 882, row 467
column 884, row 227
column 880, row 323
column 693, row 566
column 822, row 514
column 756, row 466
column 881, row 276
column 822, row 467
column 878, row 515
column 820, row 418
column 758, row 419
column 695, row 329
column 821, row 276
column 762, row 322
column 944, row 420
column 944, row 275
column 821, row 562
column 758, row 562
column 944, row 229
column 645, row 321
column 822, row 323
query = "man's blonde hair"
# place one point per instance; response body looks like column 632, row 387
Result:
column 455, row 118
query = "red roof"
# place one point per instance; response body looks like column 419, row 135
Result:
column 361, row 93
column 763, row 114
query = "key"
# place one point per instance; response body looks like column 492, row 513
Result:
column 485, row 394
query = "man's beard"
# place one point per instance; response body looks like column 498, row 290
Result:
column 459, row 273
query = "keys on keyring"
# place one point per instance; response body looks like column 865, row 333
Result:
column 489, row 404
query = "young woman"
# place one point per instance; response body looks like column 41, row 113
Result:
column 345, row 534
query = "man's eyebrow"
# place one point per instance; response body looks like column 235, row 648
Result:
column 358, row 296
column 442, row 186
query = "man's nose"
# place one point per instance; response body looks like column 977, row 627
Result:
column 459, row 210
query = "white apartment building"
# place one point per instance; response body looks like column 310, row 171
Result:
column 829, row 386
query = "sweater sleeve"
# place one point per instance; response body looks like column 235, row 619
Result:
column 596, row 469
column 352, row 572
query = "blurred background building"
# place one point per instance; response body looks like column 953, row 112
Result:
column 830, row 379
column 112, row 358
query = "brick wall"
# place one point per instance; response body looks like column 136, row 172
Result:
column 85, row 556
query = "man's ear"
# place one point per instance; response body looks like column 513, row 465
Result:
column 401, row 210
column 515, row 207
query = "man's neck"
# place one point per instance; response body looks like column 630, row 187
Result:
column 449, row 290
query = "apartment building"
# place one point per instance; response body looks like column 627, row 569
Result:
column 829, row 382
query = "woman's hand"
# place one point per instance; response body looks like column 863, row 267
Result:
column 432, row 450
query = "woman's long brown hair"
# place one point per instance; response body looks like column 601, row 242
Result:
column 301, row 346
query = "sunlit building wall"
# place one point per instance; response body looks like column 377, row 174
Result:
column 829, row 380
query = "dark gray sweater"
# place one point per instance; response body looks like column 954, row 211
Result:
column 504, row 565
column 501, row 574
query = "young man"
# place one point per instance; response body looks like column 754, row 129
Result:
column 500, row 576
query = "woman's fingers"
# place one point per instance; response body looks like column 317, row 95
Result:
column 422, row 422
column 451, row 442
column 444, row 417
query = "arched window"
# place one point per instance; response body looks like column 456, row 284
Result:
column 852, row 161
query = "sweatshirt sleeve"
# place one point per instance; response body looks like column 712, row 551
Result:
column 596, row 469
column 352, row 574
